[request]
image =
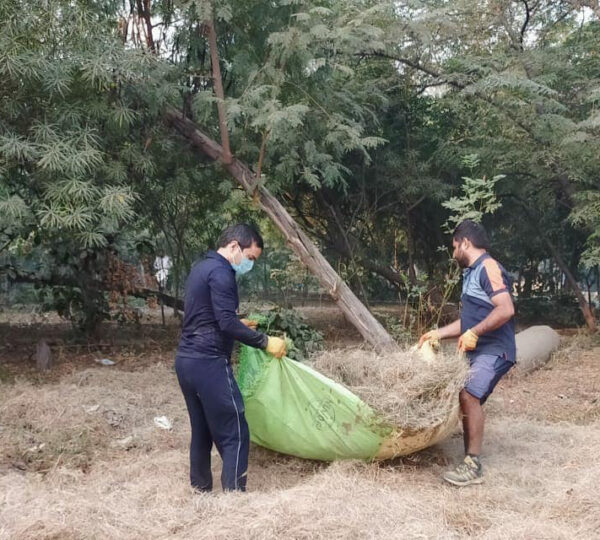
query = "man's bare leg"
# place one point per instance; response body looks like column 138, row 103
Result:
column 473, row 421
column 469, row 471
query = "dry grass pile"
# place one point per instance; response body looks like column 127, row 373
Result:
column 405, row 388
column 86, row 415
column 542, row 481
column 573, row 346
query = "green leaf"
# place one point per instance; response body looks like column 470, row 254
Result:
column 15, row 147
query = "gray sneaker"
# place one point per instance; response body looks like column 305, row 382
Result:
column 467, row 473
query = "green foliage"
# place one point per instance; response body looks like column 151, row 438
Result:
column 586, row 215
column 72, row 303
column 288, row 323
column 61, row 69
column 364, row 111
column 477, row 199
column 289, row 275
column 401, row 329
column 560, row 311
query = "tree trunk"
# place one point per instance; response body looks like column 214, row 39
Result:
column 356, row 313
column 588, row 315
column 589, row 281
column 144, row 13
column 410, row 247
column 528, row 285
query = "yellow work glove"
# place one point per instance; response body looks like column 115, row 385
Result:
column 275, row 346
column 468, row 341
column 249, row 323
column 427, row 352
column 433, row 336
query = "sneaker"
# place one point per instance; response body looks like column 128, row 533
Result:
column 467, row 473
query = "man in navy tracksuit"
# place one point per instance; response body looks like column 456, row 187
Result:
column 210, row 326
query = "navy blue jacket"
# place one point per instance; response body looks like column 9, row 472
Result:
column 210, row 322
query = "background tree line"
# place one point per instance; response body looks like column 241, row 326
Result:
column 373, row 123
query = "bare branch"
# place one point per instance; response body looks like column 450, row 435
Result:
column 525, row 23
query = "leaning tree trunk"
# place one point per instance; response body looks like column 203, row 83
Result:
column 296, row 239
column 586, row 308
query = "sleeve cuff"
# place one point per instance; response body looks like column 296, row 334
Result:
column 495, row 293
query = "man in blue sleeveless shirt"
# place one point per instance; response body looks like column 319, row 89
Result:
column 486, row 333
column 210, row 326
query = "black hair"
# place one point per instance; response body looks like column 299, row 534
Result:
column 244, row 234
column 472, row 231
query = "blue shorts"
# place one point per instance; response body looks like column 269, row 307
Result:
column 486, row 370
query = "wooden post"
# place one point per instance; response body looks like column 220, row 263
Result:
column 43, row 357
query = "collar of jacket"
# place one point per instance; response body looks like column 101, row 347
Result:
column 476, row 263
column 220, row 259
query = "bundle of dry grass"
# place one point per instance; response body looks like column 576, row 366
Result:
column 406, row 388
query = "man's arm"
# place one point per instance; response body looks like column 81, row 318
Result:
column 223, row 297
column 502, row 312
column 450, row 330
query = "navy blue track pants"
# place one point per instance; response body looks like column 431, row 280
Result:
column 216, row 410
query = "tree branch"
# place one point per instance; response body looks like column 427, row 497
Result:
column 218, row 88
column 405, row 61
column 143, row 7
column 525, row 23
column 357, row 314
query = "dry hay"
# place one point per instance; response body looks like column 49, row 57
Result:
column 567, row 388
column 574, row 345
column 532, row 490
column 406, row 388
column 541, row 480
column 85, row 415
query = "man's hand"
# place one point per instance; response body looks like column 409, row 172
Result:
column 432, row 335
column 468, row 341
column 249, row 323
column 275, row 346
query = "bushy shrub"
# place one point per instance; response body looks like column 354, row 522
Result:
column 557, row 311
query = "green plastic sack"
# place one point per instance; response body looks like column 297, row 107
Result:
column 295, row 410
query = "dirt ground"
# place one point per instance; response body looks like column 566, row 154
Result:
column 81, row 457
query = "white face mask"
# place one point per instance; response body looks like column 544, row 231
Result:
column 244, row 266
